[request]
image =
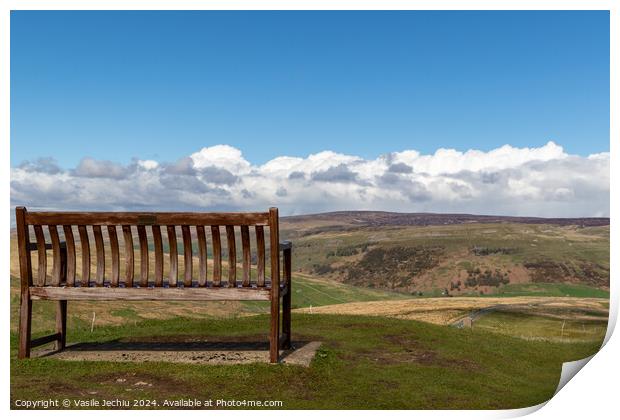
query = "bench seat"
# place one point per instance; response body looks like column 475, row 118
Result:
column 223, row 292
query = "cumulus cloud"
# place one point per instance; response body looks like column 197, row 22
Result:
column 92, row 168
column 542, row 181
column 46, row 165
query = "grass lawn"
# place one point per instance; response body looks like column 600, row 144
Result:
column 532, row 327
column 365, row 362
column 551, row 289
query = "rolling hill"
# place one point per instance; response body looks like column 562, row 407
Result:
column 439, row 254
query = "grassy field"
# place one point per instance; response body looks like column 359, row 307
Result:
column 552, row 319
column 376, row 351
column 364, row 362
column 551, row 289
column 542, row 328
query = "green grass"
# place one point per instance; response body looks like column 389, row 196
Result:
column 550, row 289
column 365, row 362
column 308, row 292
column 532, row 327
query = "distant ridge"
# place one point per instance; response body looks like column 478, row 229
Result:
column 382, row 218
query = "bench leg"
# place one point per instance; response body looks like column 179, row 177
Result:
column 274, row 335
column 25, row 320
column 286, row 301
column 61, row 324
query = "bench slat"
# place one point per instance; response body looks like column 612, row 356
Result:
column 57, row 267
column 144, row 256
column 232, row 256
column 115, row 256
column 128, row 239
column 217, row 255
column 260, row 248
column 100, row 250
column 187, row 255
column 174, row 256
column 148, row 293
column 42, row 254
column 159, row 256
column 85, row 280
column 202, row 256
column 68, row 230
column 138, row 218
column 245, row 243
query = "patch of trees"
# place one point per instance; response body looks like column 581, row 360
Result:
column 481, row 251
column 477, row 277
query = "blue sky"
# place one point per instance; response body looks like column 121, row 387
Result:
column 163, row 85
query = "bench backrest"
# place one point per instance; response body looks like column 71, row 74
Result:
column 156, row 233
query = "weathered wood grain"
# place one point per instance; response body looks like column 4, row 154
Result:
column 128, row 239
column 148, row 293
column 116, row 275
column 173, row 275
column 245, row 244
column 144, row 256
column 274, row 240
column 202, row 256
column 159, row 256
column 232, row 256
column 140, row 218
column 56, row 256
column 68, row 230
column 61, row 324
column 187, row 255
column 25, row 273
column 217, row 256
column 100, row 250
column 85, row 244
column 260, row 256
column 42, row 254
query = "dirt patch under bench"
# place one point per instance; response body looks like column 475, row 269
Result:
column 185, row 350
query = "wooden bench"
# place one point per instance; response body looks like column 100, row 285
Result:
column 63, row 282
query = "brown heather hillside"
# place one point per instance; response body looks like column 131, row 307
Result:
column 431, row 254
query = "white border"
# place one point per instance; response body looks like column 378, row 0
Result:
column 593, row 393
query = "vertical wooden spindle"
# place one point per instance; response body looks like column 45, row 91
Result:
column 245, row 242
column 260, row 255
column 144, row 256
column 85, row 280
column 128, row 239
column 217, row 255
column 70, row 255
column 115, row 256
column 42, row 254
column 99, row 278
column 187, row 255
column 174, row 257
column 232, row 256
column 159, row 256
column 202, row 256
column 57, row 259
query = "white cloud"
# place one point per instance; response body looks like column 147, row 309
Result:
column 542, row 181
